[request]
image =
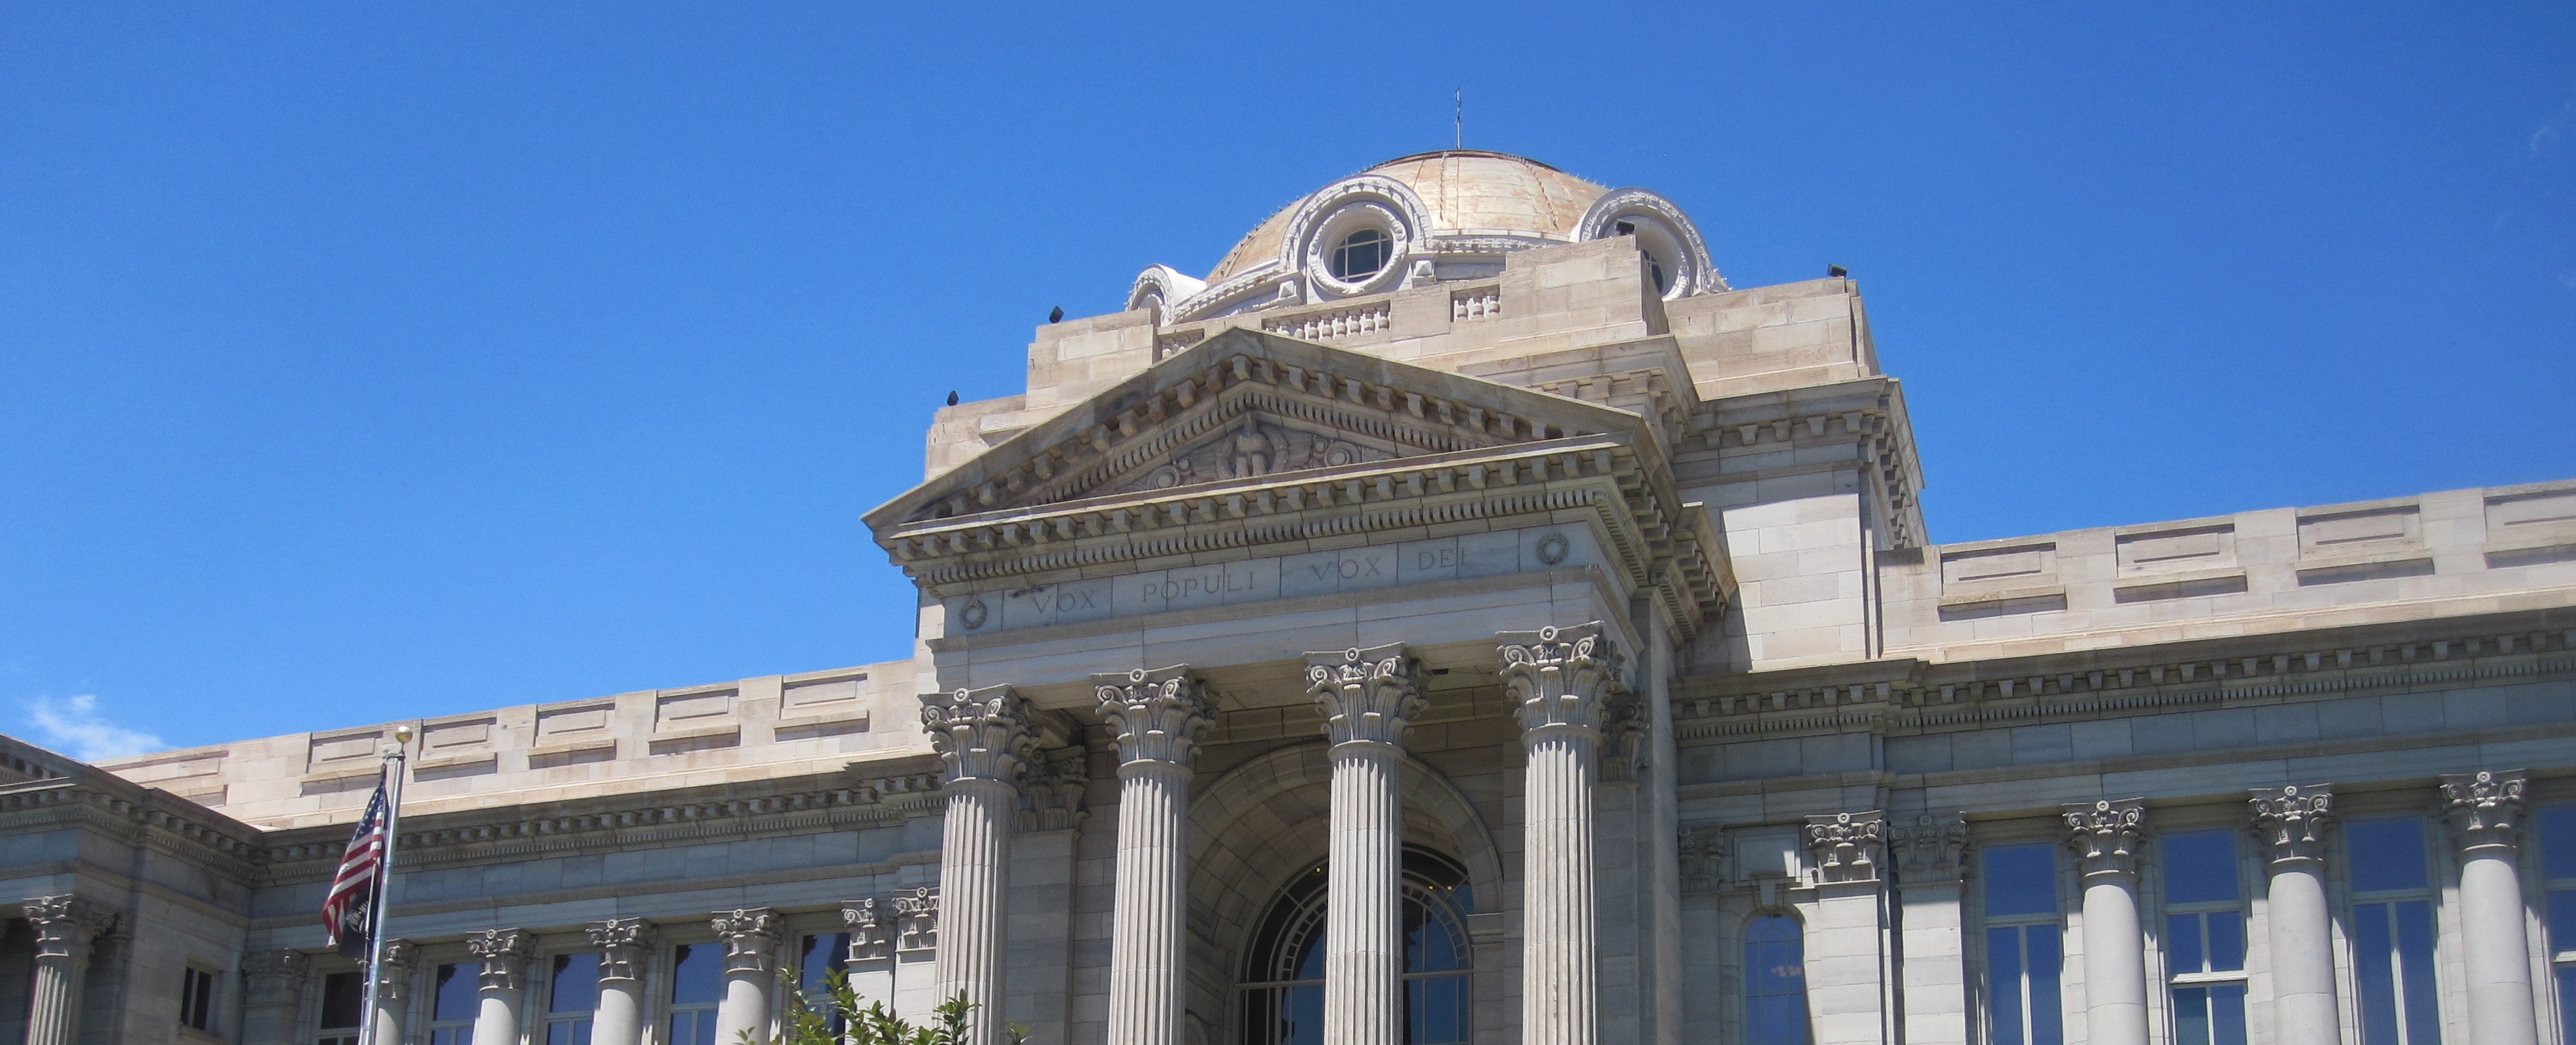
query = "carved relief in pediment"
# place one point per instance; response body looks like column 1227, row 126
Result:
column 1253, row 447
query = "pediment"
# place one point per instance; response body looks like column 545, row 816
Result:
column 1244, row 407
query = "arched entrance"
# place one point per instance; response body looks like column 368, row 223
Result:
column 1282, row 984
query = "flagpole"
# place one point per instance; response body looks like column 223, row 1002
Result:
column 395, row 763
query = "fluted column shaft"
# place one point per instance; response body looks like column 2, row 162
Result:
column 503, row 984
column 66, row 928
column 624, row 944
column 2292, row 822
column 2106, row 837
column 750, row 938
column 2485, row 813
column 392, row 989
column 1368, row 699
column 1158, row 717
column 1561, row 678
column 984, row 738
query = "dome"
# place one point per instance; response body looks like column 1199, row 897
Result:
column 1428, row 218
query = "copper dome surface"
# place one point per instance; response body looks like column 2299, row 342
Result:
column 1466, row 191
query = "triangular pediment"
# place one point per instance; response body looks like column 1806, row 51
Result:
column 1244, row 407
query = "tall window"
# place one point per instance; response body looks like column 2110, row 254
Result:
column 197, row 998
column 572, row 993
column 1283, row 979
column 1361, row 254
column 2558, row 868
column 697, row 984
column 2024, row 945
column 451, row 1008
column 822, row 955
column 2205, row 937
column 2392, row 931
column 1775, row 982
column 344, row 994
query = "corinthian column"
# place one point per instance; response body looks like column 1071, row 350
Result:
column 624, row 944
column 2485, row 812
column 2106, row 836
column 2292, row 823
column 66, row 926
column 272, row 993
column 751, row 939
column 393, row 985
column 1158, row 717
column 1369, row 697
column 1560, row 677
column 984, row 737
column 504, row 983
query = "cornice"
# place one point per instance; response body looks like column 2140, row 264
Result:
column 134, row 816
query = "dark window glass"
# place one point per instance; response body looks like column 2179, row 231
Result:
column 1361, row 254
column 2021, row 879
column 821, row 956
column 2387, row 853
column 2393, row 964
column 1283, row 996
column 697, row 974
column 2210, row 1015
column 197, row 998
column 2200, row 866
column 343, row 994
column 2558, row 841
column 1775, row 982
column 576, row 983
column 456, row 999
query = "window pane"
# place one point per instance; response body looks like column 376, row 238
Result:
column 2227, row 1014
column 456, row 993
column 2200, row 866
column 1436, row 1010
column 343, row 994
column 1775, row 982
column 2021, row 879
column 2004, row 985
column 2191, row 1016
column 1302, row 1015
column 697, row 976
column 2373, row 958
column 2558, row 841
column 576, row 983
column 2182, row 944
column 2045, row 961
column 2387, row 853
column 2567, row 996
column 2226, row 941
column 2562, row 924
column 2415, row 957
column 823, row 954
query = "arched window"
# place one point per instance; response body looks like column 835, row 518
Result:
column 1283, row 976
column 1361, row 254
column 1775, row 982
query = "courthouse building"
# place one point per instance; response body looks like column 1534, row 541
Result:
column 1460, row 616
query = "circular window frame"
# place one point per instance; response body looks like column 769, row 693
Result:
column 1663, row 231
column 1339, row 224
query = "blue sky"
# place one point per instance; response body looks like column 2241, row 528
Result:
column 370, row 361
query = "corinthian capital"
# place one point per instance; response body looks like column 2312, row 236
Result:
column 981, row 734
column 1844, row 847
column 505, row 954
column 1365, row 694
column 1559, row 676
column 393, row 978
column 273, row 979
column 623, row 945
column 2106, row 834
column 2292, row 821
column 1928, row 848
column 1157, row 715
column 2484, row 808
column 66, row 925
column 750, row 937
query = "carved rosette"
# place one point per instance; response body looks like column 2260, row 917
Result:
column 66, row 925
column 1157, row 716
column 1845, row 847
column 750, row 936
column 868, row 930
column 505, row 954
column 1366, row 695
column 1560, row 676
column 2106, row 834
column 274, row 979
column 1054, row 795
column 393, row 977
column 2292, row 821
column 916, row 916
column 1702, row 850
column 981, row 734
column 2484, row 808
column 624, row 944
column 1929, row 848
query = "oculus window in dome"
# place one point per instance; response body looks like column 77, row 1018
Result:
column 1361, row 254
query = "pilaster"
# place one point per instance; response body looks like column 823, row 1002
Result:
column 393, row 989
column 1929, row 853
column 66, row 926
column 751, row 937
column 503, row 981
column 2484, row 810
column 1560, row 678
column 2291, row 824
column 1846, row 916
column 2106, row 836
column 625, row 946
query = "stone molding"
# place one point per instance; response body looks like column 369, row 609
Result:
column 981, row 734
column 165, row 824
column 2484, row 808
column 2292, row 821
column 67, row 925
column 1560, row 677
column 1366, row 695
column 1055, row 795
column 274, row 979
column 751, row 936
column 393, row 980
column 625, row 946
column 2106, row 834
column 1157, row 715
column 917, row 920
column 1929, row 848
column 505, row 954
column 1624, row 726
column 1845, row 847
column 1702, row 848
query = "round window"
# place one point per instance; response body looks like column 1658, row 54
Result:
column 1362, row 254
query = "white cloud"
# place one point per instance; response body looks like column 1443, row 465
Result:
column 71, row 725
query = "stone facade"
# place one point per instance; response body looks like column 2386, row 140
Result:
column 1461, row 616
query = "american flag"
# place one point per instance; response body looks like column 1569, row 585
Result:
column 353, row 890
